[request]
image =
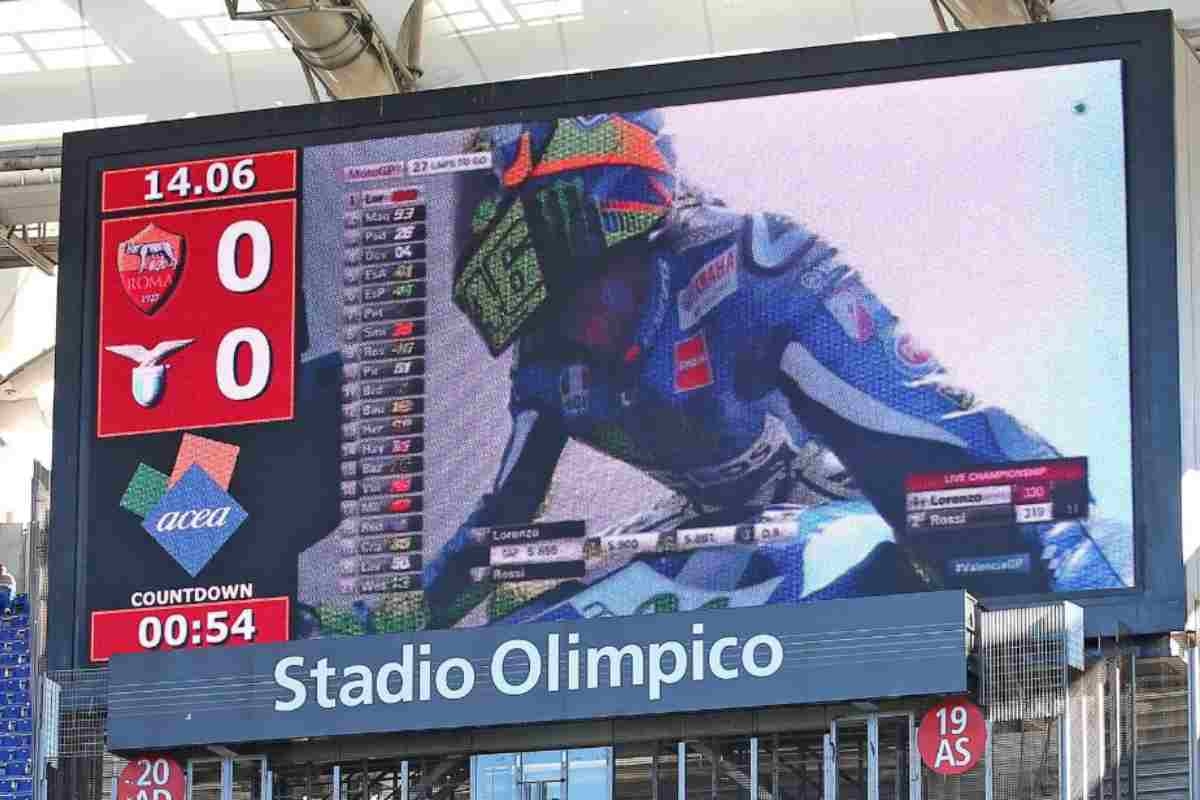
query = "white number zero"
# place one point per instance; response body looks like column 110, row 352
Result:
column 260, row 363
column 260, row 256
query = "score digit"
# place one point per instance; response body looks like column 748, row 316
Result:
column 260, row 347
column 260, row 256
column 260, row 364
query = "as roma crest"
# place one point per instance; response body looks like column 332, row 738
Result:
column 148, row 265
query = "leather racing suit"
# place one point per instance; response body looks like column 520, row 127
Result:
column 765, row 372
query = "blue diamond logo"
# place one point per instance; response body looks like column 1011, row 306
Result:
column 194, row 519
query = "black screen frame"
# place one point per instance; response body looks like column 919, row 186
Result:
column 1143, row 42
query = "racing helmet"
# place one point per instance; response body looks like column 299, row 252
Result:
column 563, row 193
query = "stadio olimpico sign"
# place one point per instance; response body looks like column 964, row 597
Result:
column 616, row 667
column 654, row 665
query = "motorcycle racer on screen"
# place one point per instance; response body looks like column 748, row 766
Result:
column 735, row 358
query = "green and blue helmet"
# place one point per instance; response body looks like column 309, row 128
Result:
column 563, row 194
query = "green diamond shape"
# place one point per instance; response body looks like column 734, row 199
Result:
column 145, row 489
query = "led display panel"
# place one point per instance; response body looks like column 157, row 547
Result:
column 752, row 351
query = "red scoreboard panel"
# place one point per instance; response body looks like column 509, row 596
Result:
column 197, row 323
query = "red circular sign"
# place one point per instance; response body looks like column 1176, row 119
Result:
column 952, row 736
column 151, row 777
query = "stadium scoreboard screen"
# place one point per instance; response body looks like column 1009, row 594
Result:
column 826, row 339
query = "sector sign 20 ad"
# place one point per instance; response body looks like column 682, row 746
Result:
column 829, row 344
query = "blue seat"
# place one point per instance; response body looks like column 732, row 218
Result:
column 23, row 725
column 15, row 769
column 22, row 753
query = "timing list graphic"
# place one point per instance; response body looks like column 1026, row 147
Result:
column 383, row 313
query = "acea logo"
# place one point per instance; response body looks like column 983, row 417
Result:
column 190, row 513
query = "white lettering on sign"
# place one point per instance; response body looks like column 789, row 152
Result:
column 952, row 737
column 193, row 519
column 151, row 778
column 463, row 162
column 191, row 594
column 519, row 666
